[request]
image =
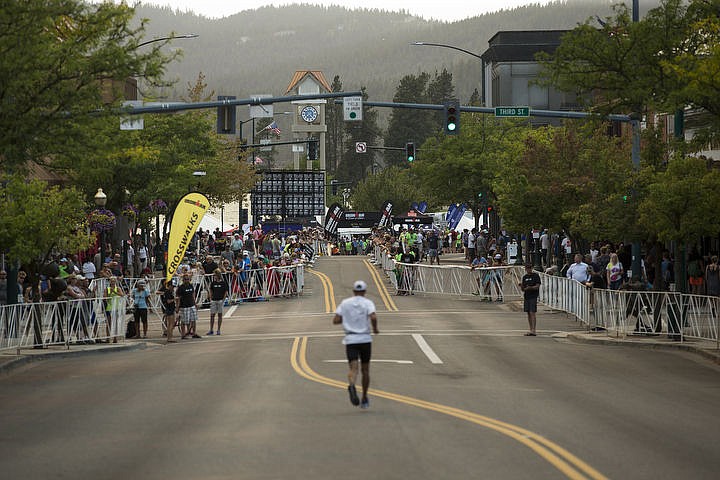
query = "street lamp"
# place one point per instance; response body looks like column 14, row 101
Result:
column 100, row 201
column 453, row 47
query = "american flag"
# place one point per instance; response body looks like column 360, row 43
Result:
column 273, row 127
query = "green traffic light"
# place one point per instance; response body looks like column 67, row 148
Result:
column 410, row 158
column 451, row 127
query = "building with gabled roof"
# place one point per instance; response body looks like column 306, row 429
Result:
column 307, row 88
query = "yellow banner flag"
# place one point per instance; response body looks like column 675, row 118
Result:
column 185, row 222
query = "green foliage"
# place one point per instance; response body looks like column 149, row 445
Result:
column 54, row 218
column 394, row 183
column 58, row 60
column 158, row 161
column 414, row 125
column 681, row 202
column 457, row 168
column 571, row 178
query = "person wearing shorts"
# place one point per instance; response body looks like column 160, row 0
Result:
column 218, row 291
column 167, row 300
column 357, row 316
column 530, row 285
column 185, row 300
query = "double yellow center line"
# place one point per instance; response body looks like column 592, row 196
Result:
column 567, row 463
column 329, row 291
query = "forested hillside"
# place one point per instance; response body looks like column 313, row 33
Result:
column 257, row 51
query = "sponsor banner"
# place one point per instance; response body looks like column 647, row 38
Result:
column 185, row 222
column 333, row 216
column 386, row 218
column 455, row 214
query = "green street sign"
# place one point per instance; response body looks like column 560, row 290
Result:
column 512, row 111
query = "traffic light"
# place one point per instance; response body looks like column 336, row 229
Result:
column 410, row 151
column 244, row 216
column 226, row 117
column 312, row 148
column 489, row 209
column 333, row 186
column 452, row 117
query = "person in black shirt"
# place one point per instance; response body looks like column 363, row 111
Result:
column 218, row 291
column 530, row 285
column 167, row 299
column 185, row 300
column 209, row 265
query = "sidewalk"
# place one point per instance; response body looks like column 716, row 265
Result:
column 704, row 348
column 9, row 360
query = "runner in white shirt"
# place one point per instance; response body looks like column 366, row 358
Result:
column 357, row 315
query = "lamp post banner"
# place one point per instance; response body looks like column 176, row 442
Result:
column 185, row 221
column 332, row 218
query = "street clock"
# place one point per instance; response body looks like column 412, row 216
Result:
column 309, row 114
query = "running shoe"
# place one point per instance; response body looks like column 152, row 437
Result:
column 365, row 403
column 353, row 395
column 209, row 333
column 217, row 333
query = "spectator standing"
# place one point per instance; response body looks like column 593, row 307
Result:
column 185, row 301
column 143, row 256
column 114, row 308
column 218, row 292
column 472, row 236
column 545, row 242
column 695, row 272
column 497, row 276
column 712, row 277
column 433, row 250
column 167, row 300
column 614, row 271
column 578, row 271
column 237, row 246
column 357, row 316
column 140, row 308
column 530, row 286
column 88, row 269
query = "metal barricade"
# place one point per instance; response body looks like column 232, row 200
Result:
column 104, row 318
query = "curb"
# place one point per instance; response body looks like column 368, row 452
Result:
column 25, row 359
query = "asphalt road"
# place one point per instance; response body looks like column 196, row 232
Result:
column 457, row 392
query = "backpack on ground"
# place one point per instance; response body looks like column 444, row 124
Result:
column 131, row 331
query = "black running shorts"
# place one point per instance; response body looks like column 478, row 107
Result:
column 359, row 350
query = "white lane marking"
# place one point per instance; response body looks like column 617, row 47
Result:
column 230, row 311
column 403, row 362
column 432, row 356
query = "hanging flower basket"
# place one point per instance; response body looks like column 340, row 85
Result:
column 130, row 212
column 101, row 220
column 158, row 206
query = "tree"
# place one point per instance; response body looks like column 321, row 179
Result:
column 157, row 162
column 60, row 61
column 335, row 137
column 55, row 217
column 408, row 124
column 439, row 90
column 459, row 168
column 571, row 178
column 618, row 67
column 681, row 202
column 393, row 183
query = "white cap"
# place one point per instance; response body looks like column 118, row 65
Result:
column 359, row 286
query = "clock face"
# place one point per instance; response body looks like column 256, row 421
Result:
column 309, row 114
